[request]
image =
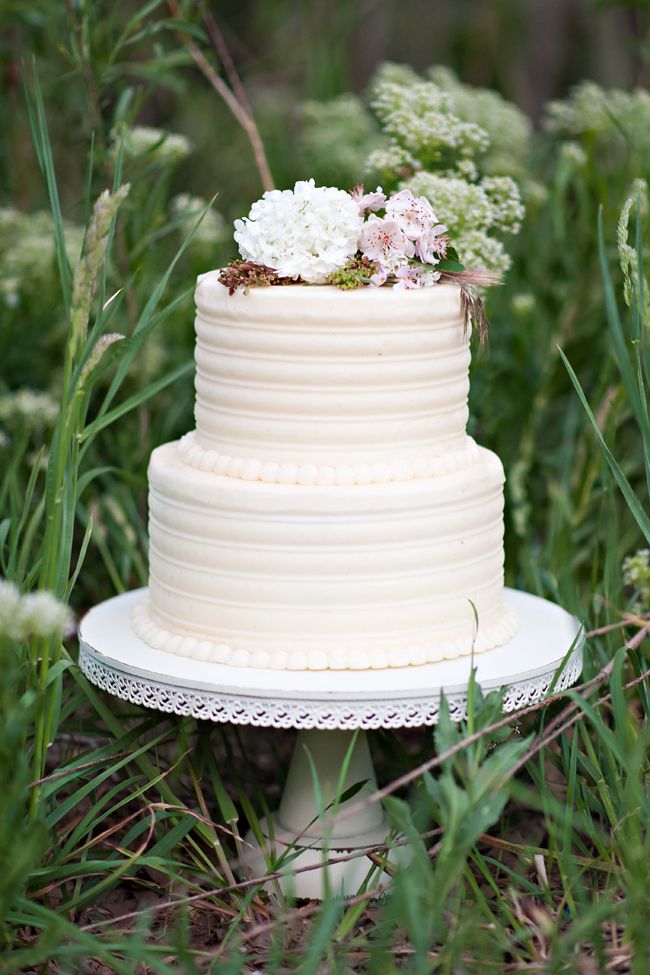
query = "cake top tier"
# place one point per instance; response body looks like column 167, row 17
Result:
column 310, row 375
column 432, row 306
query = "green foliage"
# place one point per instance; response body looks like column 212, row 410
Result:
column 356, row 273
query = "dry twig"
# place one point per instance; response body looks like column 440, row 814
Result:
column 240, row 107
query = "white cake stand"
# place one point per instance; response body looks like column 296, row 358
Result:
column 332, row 710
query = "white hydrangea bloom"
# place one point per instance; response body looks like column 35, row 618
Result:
column 307, row 232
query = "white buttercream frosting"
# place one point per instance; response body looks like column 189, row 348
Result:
column 147, row 627
column 396, row 469
column 315, row 375
column 288, row 570
column 329, row 511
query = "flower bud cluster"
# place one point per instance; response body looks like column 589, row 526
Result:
column 27, row 254
column 636, row 574
column 156, row 144
column 38, row 614
column 187, row 209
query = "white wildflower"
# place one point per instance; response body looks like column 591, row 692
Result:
column 636, row 574
column 29, row 407
column 477, row 249
column 187, row 209
column 573, row 154
column 420, row 118
column 142, row 140
column 41, row 614
column 392, row 73
column 10, row 625
column 466, row 168
column 337, row 136
column 32, row 614
column 391, row 162
column 523, row 304
column 507, row 210
column 509, row 130
column 27, row 254
column 609, row 118
column 307, row 232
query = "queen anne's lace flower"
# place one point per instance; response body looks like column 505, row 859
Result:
column 307, row 232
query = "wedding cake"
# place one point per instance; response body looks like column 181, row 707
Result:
column 329, row 510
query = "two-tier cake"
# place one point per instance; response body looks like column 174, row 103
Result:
column 329, row 510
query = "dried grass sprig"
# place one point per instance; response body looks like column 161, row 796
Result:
column 472, row 305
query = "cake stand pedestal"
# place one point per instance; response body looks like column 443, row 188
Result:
column 332, row 711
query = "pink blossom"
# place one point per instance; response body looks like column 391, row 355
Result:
column 414, row 215
column 414, row 276
column 368, row 201
column 379, row 277
column 407, row 278
column 384, row 240
column 433, row 245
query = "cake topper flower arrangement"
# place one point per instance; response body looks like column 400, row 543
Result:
column 324, row 235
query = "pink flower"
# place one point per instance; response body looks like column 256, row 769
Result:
column 407, row 278
column 415, row 216
column 433, row 245
column 414, row 276
column 368, row 201
column 379, row 277
column 384, row 240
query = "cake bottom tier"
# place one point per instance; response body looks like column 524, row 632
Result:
column 310, row 577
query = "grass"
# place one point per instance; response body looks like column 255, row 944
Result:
column 121, row 830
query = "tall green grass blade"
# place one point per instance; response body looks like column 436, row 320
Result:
column 633, row 502
column 136, row 400
column 43, row 145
